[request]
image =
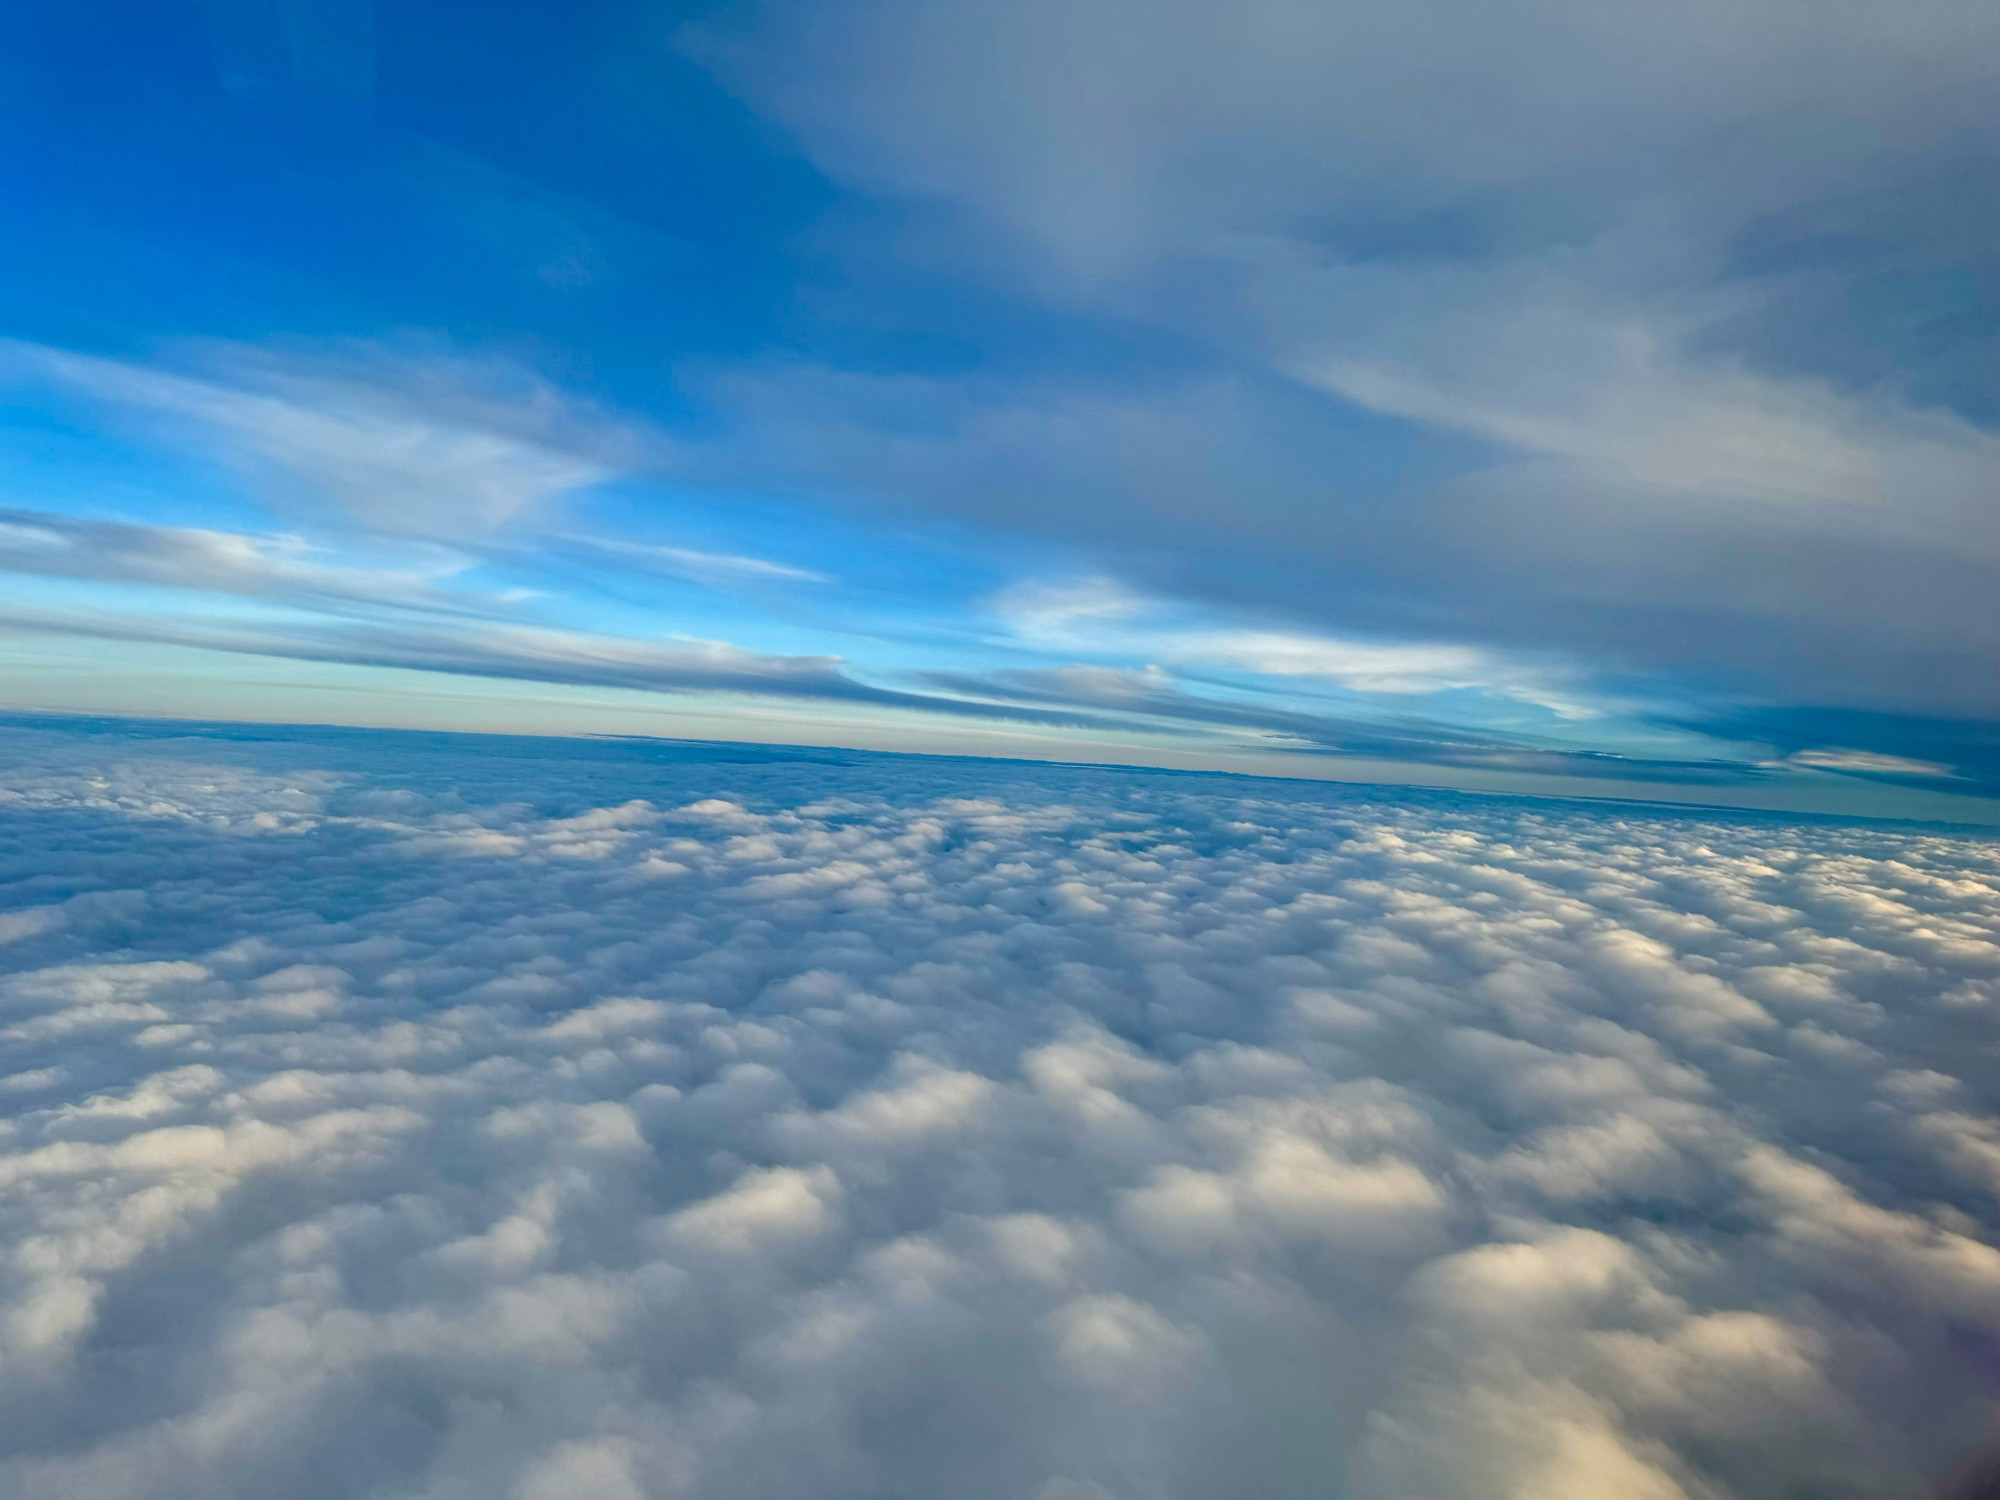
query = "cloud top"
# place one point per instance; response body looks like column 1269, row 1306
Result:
column 384, row 1118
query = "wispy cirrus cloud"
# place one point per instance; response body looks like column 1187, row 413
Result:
column 1867, row 763
column 1156, row 697
column 1099, row 613
column 428, row 622
column 279, row 569
column 532, row 653
column 715, row 569
column 1627, row 394
column 435, row 449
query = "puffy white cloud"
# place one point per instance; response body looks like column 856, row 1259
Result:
column 381, row 1118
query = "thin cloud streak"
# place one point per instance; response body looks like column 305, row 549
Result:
column 540, row 654
column 715, row 569
column 279, row 568
column 429, row 449
column 1154, row 694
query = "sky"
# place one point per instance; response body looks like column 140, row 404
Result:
column 394, row 1116
column 1533, row 396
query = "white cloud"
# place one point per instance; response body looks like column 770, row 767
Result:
column 1550, row 367
column 408, row 448
column 721, row 569
column 490, row 648
column 1121, row 1348
column 769, row 1207
column 281, row 569
column 1099, row 614
column 1061, row 610
column 990, row 1130
column 1866, row 761
column 1363, row 666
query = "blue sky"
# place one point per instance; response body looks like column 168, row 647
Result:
column 1517, row 396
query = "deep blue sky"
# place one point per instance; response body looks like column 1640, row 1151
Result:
column 1513, row 396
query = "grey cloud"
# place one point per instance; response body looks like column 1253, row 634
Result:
column 531, row 653
column 1113, row 135
column 1692, row 303
column 385, row 618
column 1155, row 695
column 1239, row 490
column 1871, row 744
column 592, row 1121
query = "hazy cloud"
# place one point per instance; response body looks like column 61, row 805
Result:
column 283, row 569
column 721, row 569
column 1156, row 695
column 1665, row 321
column 532, row 653
column 408, row 447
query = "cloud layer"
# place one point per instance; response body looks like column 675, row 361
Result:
column 572, row 1122
column 1677, row 324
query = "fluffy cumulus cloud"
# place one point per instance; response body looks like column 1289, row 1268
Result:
column 384, row 1118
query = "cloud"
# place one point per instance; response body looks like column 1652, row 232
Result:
column 277, row 568
column 1060, row 610
column 1097, row 612
column 517, row 1119
column 720, row 569
column 433, row 449
column 1245, row 494
column 1642, row 339
column 1155, row 697
column 534, row 653
column 413, row 619
column 1099, row 135
column 1868, row 762
column 1646, row 416
column 1865, row 744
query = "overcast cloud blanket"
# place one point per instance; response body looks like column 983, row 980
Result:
column 392, row 1117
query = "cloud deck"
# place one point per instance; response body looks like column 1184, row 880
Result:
column 382, row 1119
